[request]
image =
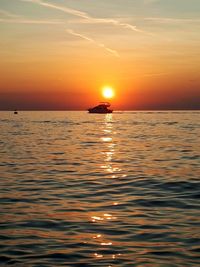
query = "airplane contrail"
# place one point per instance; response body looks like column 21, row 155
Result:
column 113, row 52
column 86, row 16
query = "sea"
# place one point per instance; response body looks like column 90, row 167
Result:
column 109, row 190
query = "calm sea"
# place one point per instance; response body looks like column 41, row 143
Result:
column 79, row 189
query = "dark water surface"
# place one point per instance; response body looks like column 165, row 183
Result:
column 80, row 189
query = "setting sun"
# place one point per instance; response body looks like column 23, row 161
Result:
column 108, row 92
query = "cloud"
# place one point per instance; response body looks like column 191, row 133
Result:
column 80, row 35
column 28, row 21
column 86, row 16
column 63, row 9
column 150, row 1
column 8, row 14
column 13, row 18
column 155, row 74
column 172, row 20
column 113, row 52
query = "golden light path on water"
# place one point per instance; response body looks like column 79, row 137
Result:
column 108, row 152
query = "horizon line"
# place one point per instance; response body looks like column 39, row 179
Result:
column 118, row 110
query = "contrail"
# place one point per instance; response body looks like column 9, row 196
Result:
column 86, row 16
column 12, row 18
column 113, row 52
column 64, row 9
column 80, row 35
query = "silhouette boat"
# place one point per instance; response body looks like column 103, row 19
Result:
column 15, row 111
column 103, row 107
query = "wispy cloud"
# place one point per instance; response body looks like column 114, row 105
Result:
column 28, row 21
column 13, row 18
column 61, row 8
column 113, row 52
column 8, row 14
column 9, row 17
column 86, row 16
column 172, row 20
column 150, row 1
column 155, row 74
column 80, row 35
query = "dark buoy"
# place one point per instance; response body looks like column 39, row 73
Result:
column 15, row 112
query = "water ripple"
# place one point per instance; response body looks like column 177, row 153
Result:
column 121, row 189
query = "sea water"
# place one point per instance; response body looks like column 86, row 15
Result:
column 79, row 189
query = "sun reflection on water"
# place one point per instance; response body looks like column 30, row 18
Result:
column 109, row 149
column 105, row 245
column 104, row 217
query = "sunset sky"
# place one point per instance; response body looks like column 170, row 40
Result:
column 58, row 54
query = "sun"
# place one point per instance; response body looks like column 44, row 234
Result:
column 108, row 92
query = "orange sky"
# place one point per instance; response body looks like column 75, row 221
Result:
column 59, row 54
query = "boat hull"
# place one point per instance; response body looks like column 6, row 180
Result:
column 100, row 112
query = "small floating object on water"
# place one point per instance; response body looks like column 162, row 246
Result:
column 15, row 112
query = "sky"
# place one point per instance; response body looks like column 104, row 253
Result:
column 58, row 54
